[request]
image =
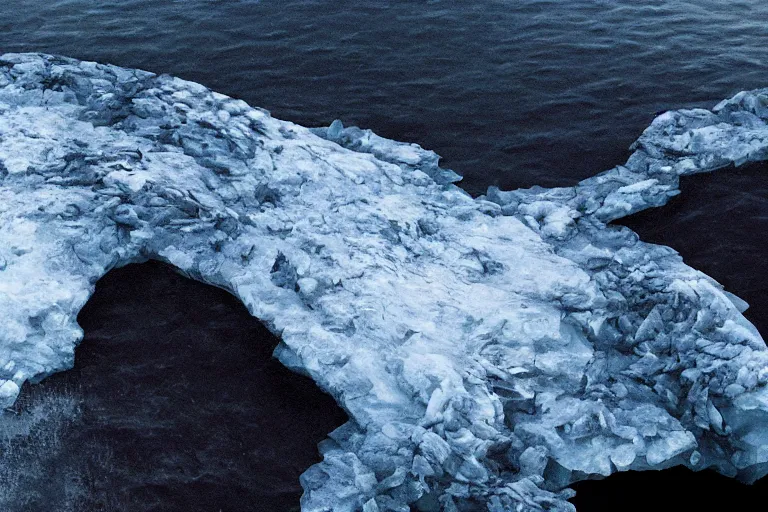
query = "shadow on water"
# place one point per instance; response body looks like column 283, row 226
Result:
column 718, row 225
column 174, row 404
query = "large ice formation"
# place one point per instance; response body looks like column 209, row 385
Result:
column 488, row 351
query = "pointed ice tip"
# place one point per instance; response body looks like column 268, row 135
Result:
column 448, row 176
column 740, row 304
column 334, row 131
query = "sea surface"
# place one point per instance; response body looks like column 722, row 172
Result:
column 512, row 93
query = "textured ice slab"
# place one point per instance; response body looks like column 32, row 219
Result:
column 488, row 351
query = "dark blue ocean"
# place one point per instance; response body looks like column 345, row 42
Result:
column 512, row 93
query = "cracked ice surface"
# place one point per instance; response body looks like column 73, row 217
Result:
column 488, row 351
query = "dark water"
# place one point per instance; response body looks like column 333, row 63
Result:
column 510, row 92
column 672, row 490
column 174, row 405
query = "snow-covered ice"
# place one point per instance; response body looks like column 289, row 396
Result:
column 488, row 351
